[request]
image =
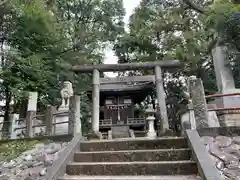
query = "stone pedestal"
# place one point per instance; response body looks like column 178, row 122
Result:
column 151, row 131
column 95, row 136
column 61, row 116
column 120, row 131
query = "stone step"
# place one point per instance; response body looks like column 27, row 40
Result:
column 138, row 143
column 133, row 155
column 190, row 177
column 132, row 168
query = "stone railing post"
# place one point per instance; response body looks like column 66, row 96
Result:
column 13, row 119
column 197, row 95
column 31, row 112
column 150, row 119
column 48, row 118
column 161, row 100
column 74, row 126
column 192, row 119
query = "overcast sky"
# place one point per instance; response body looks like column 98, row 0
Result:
column 129, row 6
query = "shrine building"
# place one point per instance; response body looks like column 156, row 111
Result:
column 118, row 98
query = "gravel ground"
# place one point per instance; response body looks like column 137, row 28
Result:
column 33, row 164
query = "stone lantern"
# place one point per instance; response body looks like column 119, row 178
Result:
column 150, row 119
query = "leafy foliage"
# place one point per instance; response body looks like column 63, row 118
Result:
column 12, row 150
column 40, row 40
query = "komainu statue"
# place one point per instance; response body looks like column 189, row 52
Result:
column 66, row 93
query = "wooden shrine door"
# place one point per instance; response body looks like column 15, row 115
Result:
column 119, row 110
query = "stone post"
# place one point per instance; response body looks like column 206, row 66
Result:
column 150, row 119
column 197, row 95
column 95, row 102
column 75, row 116
column 13, row 118
column 31, row 112
column 161, row 99
column 48, row 118
column 225, row 81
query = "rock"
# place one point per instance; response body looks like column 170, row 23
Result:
column 50, row 151
column 9, row 165
column 43, row 172
column 4, row 177
column 236, row 140
column 56, row 146
column 17, row 171
column 48, row 160
column 40, row 146
column 28, row 157
column 232, row 174
column 223, row 141
column 207, row 139
column 40, row 157
column 33, row 164
column 220, row 165
column 56, row 156
column 225, row 157
column 29, row 164
column 38, row 164
column 234, row 146
column 64, row 144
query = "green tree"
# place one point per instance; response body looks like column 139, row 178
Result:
column 41, row 40
column 163, row 30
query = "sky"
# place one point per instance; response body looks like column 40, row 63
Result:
column 129, row 6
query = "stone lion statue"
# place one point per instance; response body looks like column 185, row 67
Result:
column 186, row 93
column 66, row 93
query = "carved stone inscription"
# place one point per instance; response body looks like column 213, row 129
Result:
column 197, row 95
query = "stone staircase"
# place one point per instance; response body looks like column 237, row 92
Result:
column 139, row 159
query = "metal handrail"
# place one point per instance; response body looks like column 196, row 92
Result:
column 223, row 95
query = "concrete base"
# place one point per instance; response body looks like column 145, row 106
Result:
column 95, row 136
column 120, row 131
column 168, row 133
column 151, row 134
column 229, row 118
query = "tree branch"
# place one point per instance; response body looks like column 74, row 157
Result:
column 194, row 6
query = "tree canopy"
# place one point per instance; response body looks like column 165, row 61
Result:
column 186, row 30
column 41, row 40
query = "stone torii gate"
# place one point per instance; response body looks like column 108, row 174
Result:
column 155, row 65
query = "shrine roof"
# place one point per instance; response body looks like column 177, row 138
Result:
column 137, row 91
column 118, row 87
